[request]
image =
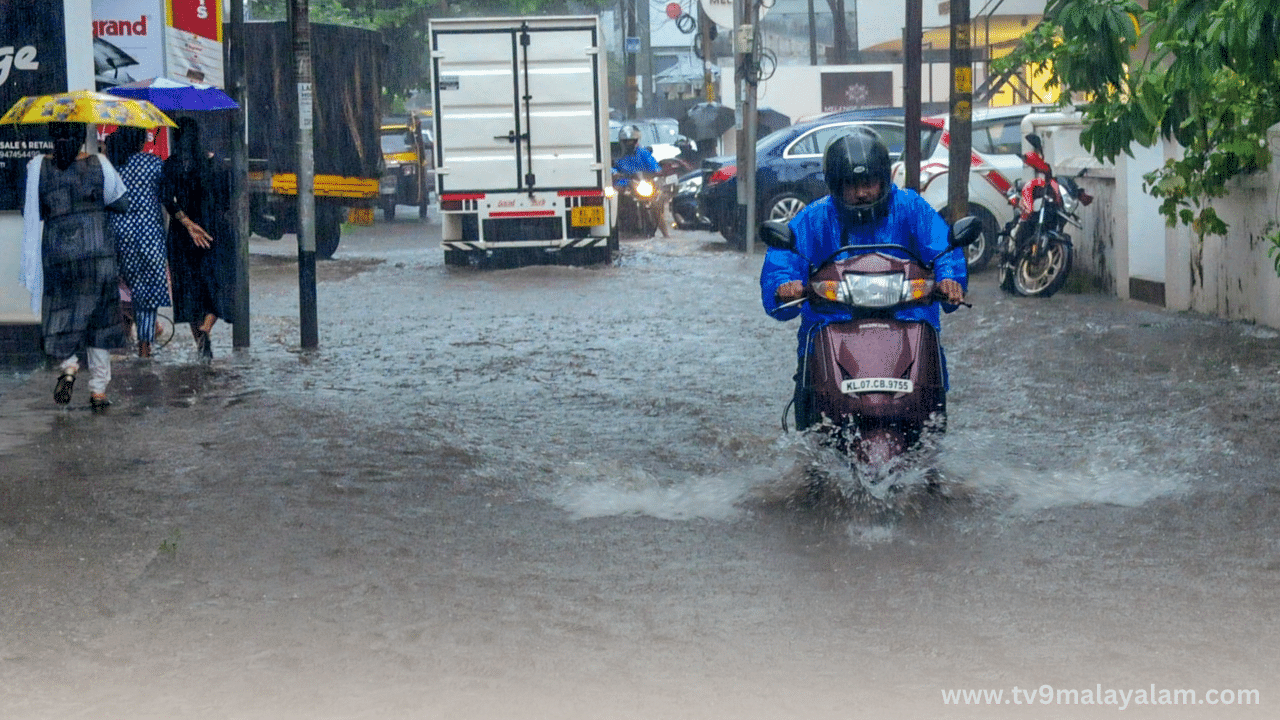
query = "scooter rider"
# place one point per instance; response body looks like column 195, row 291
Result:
column 636, row 159
column 864, row 208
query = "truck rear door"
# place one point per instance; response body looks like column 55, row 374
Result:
column 518, row 109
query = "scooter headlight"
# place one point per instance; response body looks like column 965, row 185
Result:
column 644, row 188
column 876, row 291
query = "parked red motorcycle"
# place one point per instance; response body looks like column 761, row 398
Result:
column 1035, row 254
column 876, row 380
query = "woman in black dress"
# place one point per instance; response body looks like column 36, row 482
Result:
column 196, row 191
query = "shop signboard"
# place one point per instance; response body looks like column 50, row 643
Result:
column 33, row 61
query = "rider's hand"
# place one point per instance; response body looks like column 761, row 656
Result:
column 793, row 290
column 952, row 291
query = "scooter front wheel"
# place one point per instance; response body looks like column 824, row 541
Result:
column 1042, row 274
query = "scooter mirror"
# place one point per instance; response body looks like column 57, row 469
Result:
column 777, row 235
column 1034, row 140
column 965, row 231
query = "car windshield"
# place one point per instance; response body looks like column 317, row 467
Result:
column 393, row 141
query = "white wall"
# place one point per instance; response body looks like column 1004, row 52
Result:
column 15, row 301
column 796, row 90
column 1125, row 238
column 1231, row 276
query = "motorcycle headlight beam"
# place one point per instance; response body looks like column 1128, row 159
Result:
column 644, row 188
column 874, row 291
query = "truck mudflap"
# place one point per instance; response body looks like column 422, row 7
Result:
column 566, row 244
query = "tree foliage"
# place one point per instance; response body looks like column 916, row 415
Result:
column 1205, row 73
column 403, row 24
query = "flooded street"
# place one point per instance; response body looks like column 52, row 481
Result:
column 562, row 493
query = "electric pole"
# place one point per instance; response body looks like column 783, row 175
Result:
column 239, row 174
column 912, row 49
column 300, row 28
column 961, row 131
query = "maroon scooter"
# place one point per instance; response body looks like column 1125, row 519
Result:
column 875, row 381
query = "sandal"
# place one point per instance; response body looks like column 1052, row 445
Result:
column 99, row 402
column 203, row 344
column 62, row 391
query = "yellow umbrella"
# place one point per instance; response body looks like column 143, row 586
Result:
column 85, row 106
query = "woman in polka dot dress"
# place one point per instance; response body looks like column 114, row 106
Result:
column 140, row 232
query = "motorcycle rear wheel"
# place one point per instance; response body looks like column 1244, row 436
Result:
column 1044, row 275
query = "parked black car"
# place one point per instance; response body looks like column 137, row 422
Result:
column 788, row 167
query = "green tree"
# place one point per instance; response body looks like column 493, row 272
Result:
column 403, row 24
column 1205, row 73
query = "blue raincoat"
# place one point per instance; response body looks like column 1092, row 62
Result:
column 910, row 221
column 639, row 161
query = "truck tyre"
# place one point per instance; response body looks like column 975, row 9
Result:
column 455, row 258
column 389, row 210
column 328, row 230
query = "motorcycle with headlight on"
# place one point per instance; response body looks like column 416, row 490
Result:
column 637, row 198
column 877, row 381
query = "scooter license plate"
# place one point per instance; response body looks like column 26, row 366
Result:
column 588, row 216
column 865, row 385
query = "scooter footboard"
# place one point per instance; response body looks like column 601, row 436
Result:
column 879, row 370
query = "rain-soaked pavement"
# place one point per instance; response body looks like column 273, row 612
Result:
column 562, row 493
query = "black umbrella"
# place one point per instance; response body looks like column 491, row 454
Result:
column 769, row 120
column 706, row 121
column 108, row 61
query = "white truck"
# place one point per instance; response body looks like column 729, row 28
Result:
column 522, row 146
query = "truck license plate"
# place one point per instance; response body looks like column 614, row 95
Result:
column 889, row 385
column 588, row 216
column 360, row 216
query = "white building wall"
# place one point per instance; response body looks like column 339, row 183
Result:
column 1231, row 276
column 1126, row 244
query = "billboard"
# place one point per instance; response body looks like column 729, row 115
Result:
column 854, row 90
column 33, row 61
column 128, row 41
column 194, row 41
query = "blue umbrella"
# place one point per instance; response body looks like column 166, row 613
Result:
column 171, row 95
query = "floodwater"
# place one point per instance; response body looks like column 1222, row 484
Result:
column 561, row 492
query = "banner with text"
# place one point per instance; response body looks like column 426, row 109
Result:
column 33, row 61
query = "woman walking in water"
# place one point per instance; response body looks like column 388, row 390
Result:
column 196, row 191
column 140, row 231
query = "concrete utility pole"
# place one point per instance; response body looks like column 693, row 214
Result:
column 708, row 57
column 629, row 55
column 300, row 19
column 912, row 49
column 644, row 29
column 748, row 38
column 744, row 80
column 961, row 131
column 239, row 173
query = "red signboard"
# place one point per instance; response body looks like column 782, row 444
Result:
column 199, row 17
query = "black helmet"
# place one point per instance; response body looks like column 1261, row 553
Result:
column 858, row 156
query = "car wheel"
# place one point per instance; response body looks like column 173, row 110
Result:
column 978, row 255
column 784, row 206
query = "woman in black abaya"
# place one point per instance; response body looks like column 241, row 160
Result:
column 195, row 189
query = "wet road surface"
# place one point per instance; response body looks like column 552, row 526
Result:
column 559, row 492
